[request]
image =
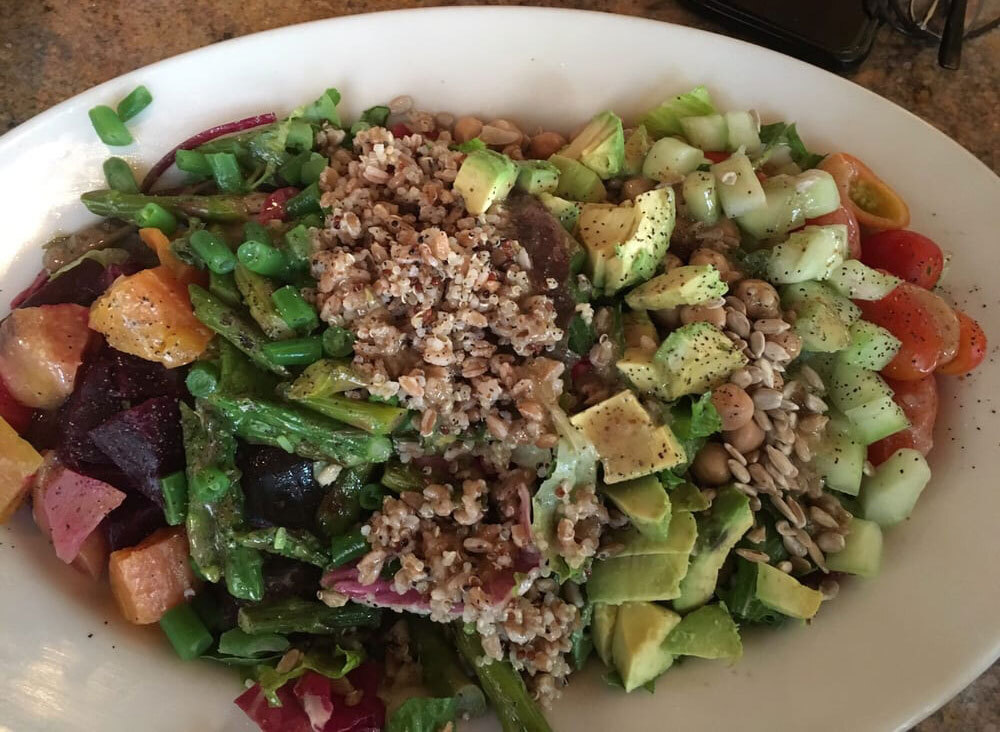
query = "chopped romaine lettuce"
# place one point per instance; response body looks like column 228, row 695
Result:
column 422, row 714
column 784, row 133
column 665, row 119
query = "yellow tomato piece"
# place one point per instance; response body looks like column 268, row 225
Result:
column 18, row 462
column 874, row 203
column 149, row 315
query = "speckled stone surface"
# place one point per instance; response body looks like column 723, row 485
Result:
column 53, row 49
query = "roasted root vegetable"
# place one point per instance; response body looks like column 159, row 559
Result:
column 18, row 462
column 40, row 351
column 151, row 577
column 182, row 271
column 149, row 315
column 69, row 507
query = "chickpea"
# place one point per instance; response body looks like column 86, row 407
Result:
column 789, row 341
column 513, row 152
column 710, row 256
column 506, row 124
column 703, row 314
column 466, row 128
column 671, row 261
column 747, row 438
column 634, row 186
column 545, row 144
column 709, row 465
column 734, row 406
column 760, row 297
column 669, row 318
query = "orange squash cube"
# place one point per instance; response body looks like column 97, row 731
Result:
column 149, row 315
column 183, row 272
column 18, row 462
column 152, row 577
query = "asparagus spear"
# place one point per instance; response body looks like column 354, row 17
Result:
column 291, row 543
column 379, row 419
column 256, row 291
column 442, row 671
column 126, row 206
column 326, row 377
column 398, row 478
column 202, row 530
column 268, row 422
column 229, row 323
column 238, row 375
column 504, row 687
column 294, row 615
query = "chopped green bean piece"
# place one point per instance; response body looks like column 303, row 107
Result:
column 235, row 642
column 109, row 127
column 210, row 483
column 136, row 101
column 154, row 216
column 338, row 342
column 214, row 251
column 263, row 259
column 294, row 352
column 231, row 325
column 227, row 173
column 371, row 497
column 244, row 573
column 185, row 631
column 202, row 379
column 296, row 312
column 175, row 497
column 312, row 168
column 193, row 162
column 347, row 548
column 298, row 247
column 119, row 176
column 256, row 231
column 307, row 201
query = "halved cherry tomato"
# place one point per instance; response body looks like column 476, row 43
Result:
column 906, row 254
column 971, row 347
column 274, row 205
column 843, row 216
column 716, row 156
column 919, row 400
column 944, row 318
column 873, row 201
column 911, row 321
column 16, row 414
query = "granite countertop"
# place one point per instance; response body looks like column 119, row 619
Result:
column 53, row 49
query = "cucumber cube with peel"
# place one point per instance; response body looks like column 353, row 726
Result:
column 888, row 496
column 862, row 552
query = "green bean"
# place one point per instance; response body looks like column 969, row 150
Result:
column 185, row 631
column 298, row 247
column 134, row 102
column 119, row 176
column 115, row 204
column 294, row 615
column 193, row 162
column 255, row 231
column 175, row 497
column 398, row 477
column 294, row 310
column 441, row 668
column 263, row 259
column 109, row 127
column 226, row 171
column 209, row 484
column 294, row 351
column 504, row 687
column 340, row 508
column 153, row 215
column 213, row 251
column 338, row 342
column 223, row 286
column 202, row 379
column 347, row 548
column 307, row 201
column 292, row 543
column 231, row 325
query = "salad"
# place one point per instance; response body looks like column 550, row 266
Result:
column 405, row 418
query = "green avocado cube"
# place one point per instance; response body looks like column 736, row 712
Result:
column 648, row 577
column 603, row 629
column 708, row 632
column 695, row 358
column 784, row 593
column 689, row 284
column 537, row 176
column 484, row 178
column 600, row 145
column 577, row 182
column 645, row 502
column 637, row 648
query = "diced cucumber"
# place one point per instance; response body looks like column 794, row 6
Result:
column 743, row 131
column 872, row 347
column 739, row 190
column 797, row 295
column 701, row 197
column 820, row 329
column 866, row 400
column 862, row 552
column 888, row 496
column 780, row 214
column 860, row 282
column 818, row 193
column 811, row 253
column 709, row 132
column 839, row 458
column 669, row 158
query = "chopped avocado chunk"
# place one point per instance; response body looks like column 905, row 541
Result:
column 689, row 284
column 862, row 552
column 680, row 538
column 567, row 212
column 637, row 647
column 577, row 182
column 645, row 502
column 485, row 178
column 624, row 243
column 637, row 365
column 639, row 331
column 719, row 529
column 537, row 176
column 651, row 577
column 603, row 629
column 812, row 253
column 695, row 358
column 637, row 147
column 708, row 632
column 784, row 593
column 600, row 145
column 627, row 441
column 687, row 497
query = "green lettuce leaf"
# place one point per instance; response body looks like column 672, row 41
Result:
column 665, row 119
column 580, row 335
column 333, row 665
column 576, row 464
column 104, row 257
column 322, row 110
column 740, row 597
column 422, row 714
column 470, row 145
column 783, row 133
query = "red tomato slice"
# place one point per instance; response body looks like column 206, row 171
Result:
column 716, row 156
column 919, row 400
column 944, row 318
column 971, row 347
column 842, row 215
column 12, row 411
column 906, row 254
column 911, row 321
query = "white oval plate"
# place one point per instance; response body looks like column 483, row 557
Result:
column 883, row 655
